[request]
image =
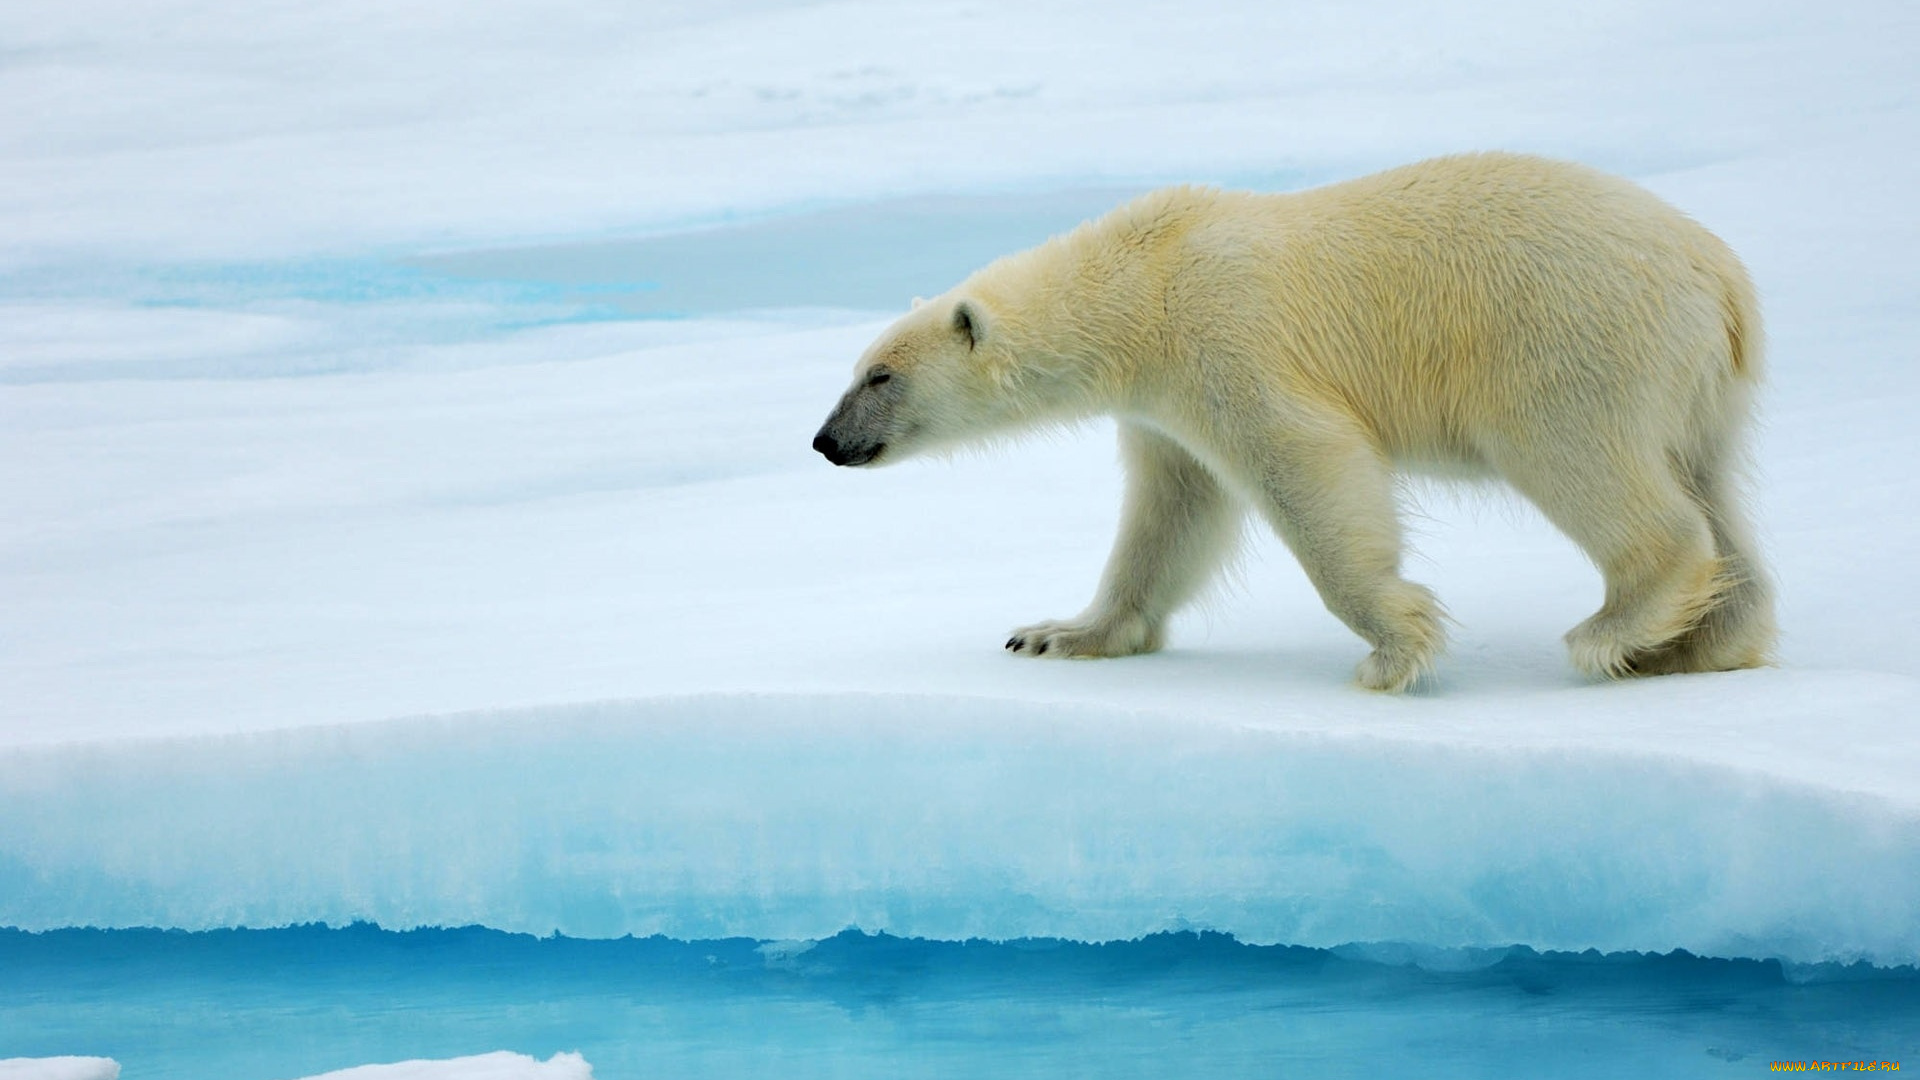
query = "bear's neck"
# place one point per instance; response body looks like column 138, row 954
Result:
column 1086, row 313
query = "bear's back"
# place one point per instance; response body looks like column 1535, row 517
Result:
column 1456, row 292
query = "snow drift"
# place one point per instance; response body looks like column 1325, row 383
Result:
column 788, row 817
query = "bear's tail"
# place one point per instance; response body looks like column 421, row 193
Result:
column 1741, row 307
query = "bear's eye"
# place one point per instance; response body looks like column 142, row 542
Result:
column 879, row 377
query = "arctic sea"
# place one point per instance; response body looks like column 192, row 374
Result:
column 171, row 1005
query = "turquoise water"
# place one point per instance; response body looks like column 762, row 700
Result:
column 867, row 257
column 374, row 310
column 293, row 1002
column 875, row 256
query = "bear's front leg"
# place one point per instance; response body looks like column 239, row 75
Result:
column 1330, row 497
column 1176, row 528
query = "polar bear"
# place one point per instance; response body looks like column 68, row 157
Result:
column 1491, row 315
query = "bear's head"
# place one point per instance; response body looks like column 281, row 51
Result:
column 937, row 376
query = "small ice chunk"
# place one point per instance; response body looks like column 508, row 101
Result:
column 59, row 1068
column 500, row 1065
column 784, row 955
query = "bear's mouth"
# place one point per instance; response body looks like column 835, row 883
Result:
column 863, row 456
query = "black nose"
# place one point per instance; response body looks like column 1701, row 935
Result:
column 829, row 448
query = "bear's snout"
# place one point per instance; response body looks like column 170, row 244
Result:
column 830, row 448
column 863, row 422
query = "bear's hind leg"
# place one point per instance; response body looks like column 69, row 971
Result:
column 1653, row 545
column 1738, row 630
column 1177, row 527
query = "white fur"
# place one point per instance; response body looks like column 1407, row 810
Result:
column 1486, row 315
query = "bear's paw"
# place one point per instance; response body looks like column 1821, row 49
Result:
column 1409, row 637
column 1086, row 639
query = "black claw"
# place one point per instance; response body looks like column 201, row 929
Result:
column 1041, row 650
column 1014, row 643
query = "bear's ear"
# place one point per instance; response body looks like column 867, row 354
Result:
column 970, row 322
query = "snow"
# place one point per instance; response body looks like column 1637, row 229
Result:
column 501, row 1065
column 408, row 514
column 173, row 130
column 59, row 1068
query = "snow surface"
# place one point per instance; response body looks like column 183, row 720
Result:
column 59, row 1068
column 501, row 1065
column 315, row 413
